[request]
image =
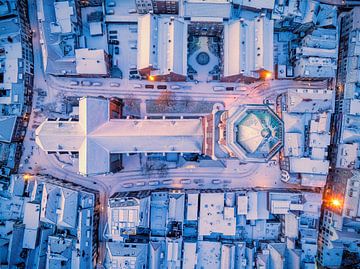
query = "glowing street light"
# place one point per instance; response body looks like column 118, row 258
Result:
column 26, row 177
column 151, row 78
column 335, row 202
column 268, row 75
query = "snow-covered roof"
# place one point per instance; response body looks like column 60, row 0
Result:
column 346, row 155
column 63, row 13
column 95, row 28
column 246, row 44
column 308, row 166
column 96, row 137
column 208, row 9
column 215, row 217
column 192, row 206
column 189, row 256
column 91, row 61
column 7, row 126
column 309, row 101
column 59, row 206
column 256, row 4
column 257, row 202
column 294, row 144
column 31, row 221
column 162, row 44
column 354, row 107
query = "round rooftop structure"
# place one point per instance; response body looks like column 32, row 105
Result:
column 254, row 133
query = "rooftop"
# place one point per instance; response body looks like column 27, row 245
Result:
column 103, row 135
column 254, row 132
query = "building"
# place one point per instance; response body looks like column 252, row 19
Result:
column 157, row 6
column 245, row 49
column 282, row 226
column 251, row 133
column 16, row 82
column 92, row 62
column 316, row 55
column 60, row 27
column 127, row 215
column 54, row 223
column 16, row 71
column 206, row 11
column 87, row 137
column 306, row 114
column 348, row 94
column 162, row 48
column 339, row 234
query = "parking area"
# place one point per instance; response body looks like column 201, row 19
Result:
column 123, row 46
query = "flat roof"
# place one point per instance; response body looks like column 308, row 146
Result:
column 308, row 166
column 214, row 216
column 91, row 61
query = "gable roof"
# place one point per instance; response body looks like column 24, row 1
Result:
column 7, row 126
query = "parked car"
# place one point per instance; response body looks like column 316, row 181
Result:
column 128, row 185
column 74, row 83
column 218, row 88
column 114, row 84
column 216, row 181
column 86, row 83
column 97, row 83
column 133, row 72
column 137, row 86
column 114, row 42
column 117, row 50
column 162, row 87
column 154, row 183
column 185, row 181
column 175, row 87
column 149, row 86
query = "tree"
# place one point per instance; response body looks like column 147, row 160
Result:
column 166, row 99
column 130, row 100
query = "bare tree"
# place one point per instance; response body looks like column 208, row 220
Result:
column 165, row 99
column 130, row 100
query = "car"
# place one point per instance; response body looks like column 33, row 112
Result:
column 137, row 86
column 185, row 181
column 218, row 88
column 132, row 10
column 97, row 83
column 128, row 185
column 117, row 50
column 133, row 72
column 111, row 4
column 114, row 84
column 86, row 83
column 74, row 83
column 229, row 88
column 216, row 181
column 161, row 87
column 114, row 42
column 149, row 86
column 140, row 184
column 110, row 12
column 167, row 182
column 241, row 88
column 175, row 87
column 154, row 183
column 133, row 67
